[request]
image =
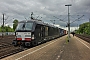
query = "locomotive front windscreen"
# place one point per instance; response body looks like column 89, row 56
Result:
column 24, row 26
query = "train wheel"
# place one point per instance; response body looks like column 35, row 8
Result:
column 34, row 43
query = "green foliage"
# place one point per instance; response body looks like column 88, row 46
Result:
column 15, row 22
column 6, row 29
column 77, row 31
column 84, row 28
column 0, row 29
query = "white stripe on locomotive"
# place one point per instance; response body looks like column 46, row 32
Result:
column 23, row 35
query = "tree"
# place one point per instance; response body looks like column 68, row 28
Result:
column 15, row 23
column 6, row 29
column 84, row 28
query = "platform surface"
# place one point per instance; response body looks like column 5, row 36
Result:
column 58, row 49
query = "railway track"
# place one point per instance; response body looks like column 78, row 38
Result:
column 6, row 47
column 9, row 51
column 84, row 37
column 6, row 42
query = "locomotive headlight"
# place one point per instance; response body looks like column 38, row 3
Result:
column 33, row 36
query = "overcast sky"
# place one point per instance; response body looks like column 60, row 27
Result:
column 47, row 9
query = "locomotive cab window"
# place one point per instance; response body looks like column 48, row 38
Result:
column 28, row 26
column 24, row 26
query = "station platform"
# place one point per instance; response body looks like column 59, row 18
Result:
column 58, row 49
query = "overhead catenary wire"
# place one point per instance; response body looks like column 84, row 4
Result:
column 77, row 19
column 60, row 19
